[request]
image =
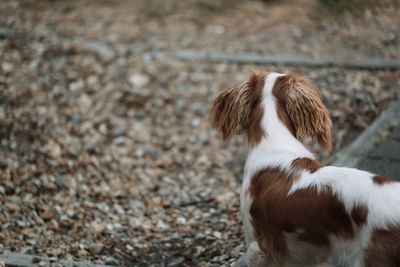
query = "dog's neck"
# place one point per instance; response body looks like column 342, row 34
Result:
column 277, row 148
column 277, row 136
column 282, row 142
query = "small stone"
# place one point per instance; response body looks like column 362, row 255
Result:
column 28, row 251
column 98, row 228
column 181, row 221
column 96, row 248
column 103, row 51
column 75, row 118
column 42, row 264
column 61, row 181
column 136, row 204
column 7, row 67
column 52, row 259
column 31, row 242
column 13, row 207
column 82, row 253
column 110, row 261
column 85, row 101
column 3, row 165
column 47, row 213
column 10, row 188
column 200, row 250
column 139, row 79
column 55, row 252
column 161, row 226
column 225, row 197
column 217, row 234
column 176, row 262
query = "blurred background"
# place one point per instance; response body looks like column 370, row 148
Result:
column 106, row 153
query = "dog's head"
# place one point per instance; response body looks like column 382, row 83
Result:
column 298, row 106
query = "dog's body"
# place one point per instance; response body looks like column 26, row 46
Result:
column 297, row 212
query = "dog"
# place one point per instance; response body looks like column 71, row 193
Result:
column 295, row 210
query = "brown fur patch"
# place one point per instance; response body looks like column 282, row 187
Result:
column 238, row 109
column 255, row 133
column 307, row 114
column 308, row 164
column 384, row 249
column 310, row 215
column 279, row 92
column 359, row 214
column 381, row 180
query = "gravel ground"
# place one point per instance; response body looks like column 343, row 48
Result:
column 106, row 154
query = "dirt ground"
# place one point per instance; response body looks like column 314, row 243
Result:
column 106, row 153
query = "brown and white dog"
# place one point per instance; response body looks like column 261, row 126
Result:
column 296, row 211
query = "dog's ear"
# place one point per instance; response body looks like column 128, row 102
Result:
column 306, row 111
column 237, row 109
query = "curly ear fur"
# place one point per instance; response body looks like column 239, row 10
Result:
column 238, row 109
column 307, row 113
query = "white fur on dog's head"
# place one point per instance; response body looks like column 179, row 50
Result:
column 298, row 106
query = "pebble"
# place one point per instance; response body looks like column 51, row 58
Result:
column 181, row 221
column 13, row 207
column 176, row 262
column 139, row 79
column 98, row 228
column 96, row 248
column 108, row 260
column 217, row 234
column 47, row 213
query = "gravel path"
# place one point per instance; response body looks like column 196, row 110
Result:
column 106, row 154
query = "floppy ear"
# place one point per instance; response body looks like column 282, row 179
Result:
column 307, row 113
column 232, row 111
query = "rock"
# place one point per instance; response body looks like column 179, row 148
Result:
column 181, row 221
column 3, row 165
column 103, row 51
column 108, row 260
column 176, row 262
column 47, row 213
column 217, row 234
column 161, row 226
column 136, row 204
column 85, row 101
column 139, row 79
column 28, row 250
column 61, row 181
column 7, row 67
column 96, row 248
column 4, row 33
column 98, row 228
column 76, row 85
column 9, row 187
column 225, row 197
column 13, row 207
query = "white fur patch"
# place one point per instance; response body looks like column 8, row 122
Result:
column 355, row 187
